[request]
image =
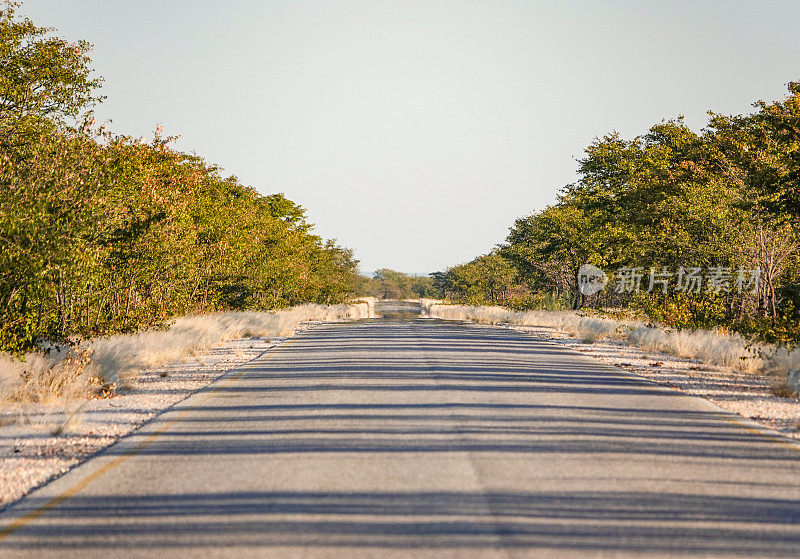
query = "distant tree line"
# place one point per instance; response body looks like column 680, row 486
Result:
column 391, row 284
column 726, row 199
column 102, row 233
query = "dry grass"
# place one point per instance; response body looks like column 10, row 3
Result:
column 67, row 374
column 93, row 368
column 781, row 387
column 370, row 305
column 708, row 346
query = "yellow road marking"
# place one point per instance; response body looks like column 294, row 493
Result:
column 83, row 483
column 777, row 439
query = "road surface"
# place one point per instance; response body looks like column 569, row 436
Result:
column 424, row 438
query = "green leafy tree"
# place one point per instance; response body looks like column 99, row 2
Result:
column 489, row 279
column 104, row 233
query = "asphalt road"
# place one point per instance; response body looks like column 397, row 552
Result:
column 406, row 438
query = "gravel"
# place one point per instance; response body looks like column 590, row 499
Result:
column 41, row 442
column 746, row 394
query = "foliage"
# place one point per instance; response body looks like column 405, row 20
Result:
column 41, row 75
column 391, row 284
column 104, row 233
column 489, row 279
column 728, row 198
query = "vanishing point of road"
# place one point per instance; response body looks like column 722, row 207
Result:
column 424, row 438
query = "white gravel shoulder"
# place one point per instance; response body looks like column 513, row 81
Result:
column 38, row 443
column 745, row 394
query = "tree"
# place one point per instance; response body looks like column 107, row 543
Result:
column 726, row 199
column 550, row 247
column 41, row 76
column 488, row 279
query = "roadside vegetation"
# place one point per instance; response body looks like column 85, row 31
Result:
column 725, row 200
column 391, row 284
column 106, row 238
column 103, row 233
column 103, row 366
column 713, row 347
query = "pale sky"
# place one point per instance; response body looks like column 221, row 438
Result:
column 416, row 132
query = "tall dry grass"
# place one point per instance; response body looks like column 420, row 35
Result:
column 370, row 305
column 708, row 346
column 97, row 365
